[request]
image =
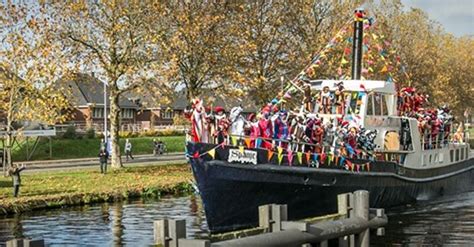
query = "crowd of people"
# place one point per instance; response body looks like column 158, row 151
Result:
column 273, row 127
column 434, row 124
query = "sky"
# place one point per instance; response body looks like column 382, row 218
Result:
column 456, row 16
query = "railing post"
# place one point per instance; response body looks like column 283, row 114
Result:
column 271, row 216
column 343, row 201
column 361, row 210
column 167, row 232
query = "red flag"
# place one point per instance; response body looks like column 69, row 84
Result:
column 196, row 155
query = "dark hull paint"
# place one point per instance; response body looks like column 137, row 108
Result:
column 231, row 192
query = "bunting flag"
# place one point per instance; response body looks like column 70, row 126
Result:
column 196, row 155
column 384, row 69
column 315, row 157
column 248, row 142
column 270, row 155
column 341, row 161
column 280, row 158
column 300, row 157
column 368, row 166
column 233, row 139
column 258, row 142
column 308, row 157
column 344, row 61
column 290, row 157
column 337, row 160
column 241, row 149
column 329, row 156
column 323, row 157
column 280, row 150
column 357, row 168
column 212, row 153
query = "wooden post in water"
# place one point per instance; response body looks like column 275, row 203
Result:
column 343, row 201
column 361, row 210
column 270, row 217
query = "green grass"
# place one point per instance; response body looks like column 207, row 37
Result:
column 85, row 148
column 63, row 188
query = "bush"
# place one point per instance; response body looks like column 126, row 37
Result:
column 70, row 132
column 90, row 133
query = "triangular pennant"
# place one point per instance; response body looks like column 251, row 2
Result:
column 308, row 157
column 270, row 155
column 337, row 160
column 357, row 168
column 258, row 142
column 368, row 166
column 212, row 153
column 196, row 155
column 344, row 61
column 315, row 157
column 329, row 158
column 290, row 157
column 248, row 142
column 384, row 69
column 233, row 139
column 300, row 157
column 241, row 149
column 280, row 150
column 323, row 158
column 342, row 161
column 280, row 158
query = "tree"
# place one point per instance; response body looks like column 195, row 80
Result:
column 200, row 45
column 29, row 68
column 114, row 39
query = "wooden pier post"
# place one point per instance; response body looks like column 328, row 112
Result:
column 168, row 232
column 343, row 206
column 270, row 217
column 361, row 210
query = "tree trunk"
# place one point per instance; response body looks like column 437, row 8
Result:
column 114, row 129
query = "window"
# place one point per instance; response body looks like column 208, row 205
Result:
column 126, row 113
column 167, row 114
column 370, row 105
column 97, row 112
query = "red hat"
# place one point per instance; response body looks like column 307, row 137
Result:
column 219, row 109
column 251, row 117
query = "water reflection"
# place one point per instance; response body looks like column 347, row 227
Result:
column 118, row 224
column 446, row 221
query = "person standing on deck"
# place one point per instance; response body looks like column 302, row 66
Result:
column 103, row 157
column 14, row 172
column 128, row 149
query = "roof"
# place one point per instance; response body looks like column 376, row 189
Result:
column 87, row 89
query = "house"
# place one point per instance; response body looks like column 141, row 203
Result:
column 87, row 100
column 138, row 112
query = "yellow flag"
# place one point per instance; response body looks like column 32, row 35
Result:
column 384, row 69
column 280, row 151
column 234, row 140
column 241, row 149
column 343, row 61
column 280, row 158
column 300, row 157
column 374, row 36
column 212, row 153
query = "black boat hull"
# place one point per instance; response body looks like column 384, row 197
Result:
column 231, row 192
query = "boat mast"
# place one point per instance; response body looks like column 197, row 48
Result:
column 357, row 44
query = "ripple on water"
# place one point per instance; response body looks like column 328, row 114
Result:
column 446, row 221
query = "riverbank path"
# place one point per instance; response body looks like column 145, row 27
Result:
column 84, row 163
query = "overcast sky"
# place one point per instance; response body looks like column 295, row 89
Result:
column 456, row 16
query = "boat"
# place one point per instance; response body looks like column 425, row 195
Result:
column 402, row 163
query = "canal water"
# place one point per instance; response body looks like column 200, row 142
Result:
column 445, row 221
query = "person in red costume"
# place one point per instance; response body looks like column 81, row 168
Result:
column 222, row 124
column 253, row 129
column 265, row 126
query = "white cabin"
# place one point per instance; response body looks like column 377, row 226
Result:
column 373, row 105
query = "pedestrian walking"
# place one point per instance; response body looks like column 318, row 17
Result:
column 103, row 157
column 128, row 149
column 14, row 172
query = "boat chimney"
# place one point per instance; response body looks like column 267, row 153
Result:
column 357, row 43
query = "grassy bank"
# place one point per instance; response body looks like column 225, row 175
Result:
column 66, row 188
column 85, row 148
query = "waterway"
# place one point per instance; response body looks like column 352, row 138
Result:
column 445, row 221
